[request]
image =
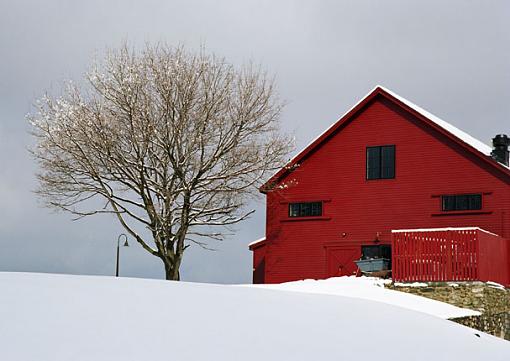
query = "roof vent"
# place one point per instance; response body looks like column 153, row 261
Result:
column 500, row 151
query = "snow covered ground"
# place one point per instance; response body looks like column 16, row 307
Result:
column 371, row 288
column 58, row 317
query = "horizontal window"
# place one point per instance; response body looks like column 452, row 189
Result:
column 461, row 202
column 381, row 162
column 306, row 209
column 376, row 251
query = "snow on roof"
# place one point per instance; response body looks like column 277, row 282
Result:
column 466, row 138
column 442, row 229
column 256, row 241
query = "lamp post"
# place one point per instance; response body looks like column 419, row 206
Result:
column 126, row 244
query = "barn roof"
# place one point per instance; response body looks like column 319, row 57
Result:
column 472, row 144
column 257, row 243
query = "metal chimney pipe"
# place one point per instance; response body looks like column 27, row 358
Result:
column 500, row 152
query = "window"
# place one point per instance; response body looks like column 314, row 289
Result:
column 376, row 251
column 461, row 202
column 381, row 162
column 307, row 209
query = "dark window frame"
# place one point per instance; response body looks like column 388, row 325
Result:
column 379, row 170
column 461, row 202
column 305, row 209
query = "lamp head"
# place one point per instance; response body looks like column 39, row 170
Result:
column 126, row 244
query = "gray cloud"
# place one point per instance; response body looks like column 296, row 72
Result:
column 451, row 58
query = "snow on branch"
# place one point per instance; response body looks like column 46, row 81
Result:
column 169, row 139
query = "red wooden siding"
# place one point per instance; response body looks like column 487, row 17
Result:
column 357, row 211
column 494, row 258
column 450, row 255
column 259, row 262
column 340, row 260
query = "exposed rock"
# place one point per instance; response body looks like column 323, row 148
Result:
column 493, row 301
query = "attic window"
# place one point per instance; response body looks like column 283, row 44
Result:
column 306, row 209
column 381, row 162
column 461, row 202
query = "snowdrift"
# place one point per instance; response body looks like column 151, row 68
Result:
column 371, row 288
column 60, row 317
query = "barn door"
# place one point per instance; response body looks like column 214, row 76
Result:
column 259, row 272
column 340, row 260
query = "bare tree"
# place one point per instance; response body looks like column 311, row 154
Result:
column 168, row 139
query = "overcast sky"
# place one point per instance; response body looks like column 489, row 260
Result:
column 450, row 57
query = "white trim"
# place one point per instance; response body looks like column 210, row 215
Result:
column 257, row 241
column 442, row 229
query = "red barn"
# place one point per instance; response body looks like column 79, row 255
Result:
column 435, row 200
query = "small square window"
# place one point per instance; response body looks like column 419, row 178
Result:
column 294, row 210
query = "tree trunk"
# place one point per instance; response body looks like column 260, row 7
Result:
column 171, row 271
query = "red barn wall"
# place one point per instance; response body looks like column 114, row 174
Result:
column 494, row 257
column 259, row 262
column 355, row 210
